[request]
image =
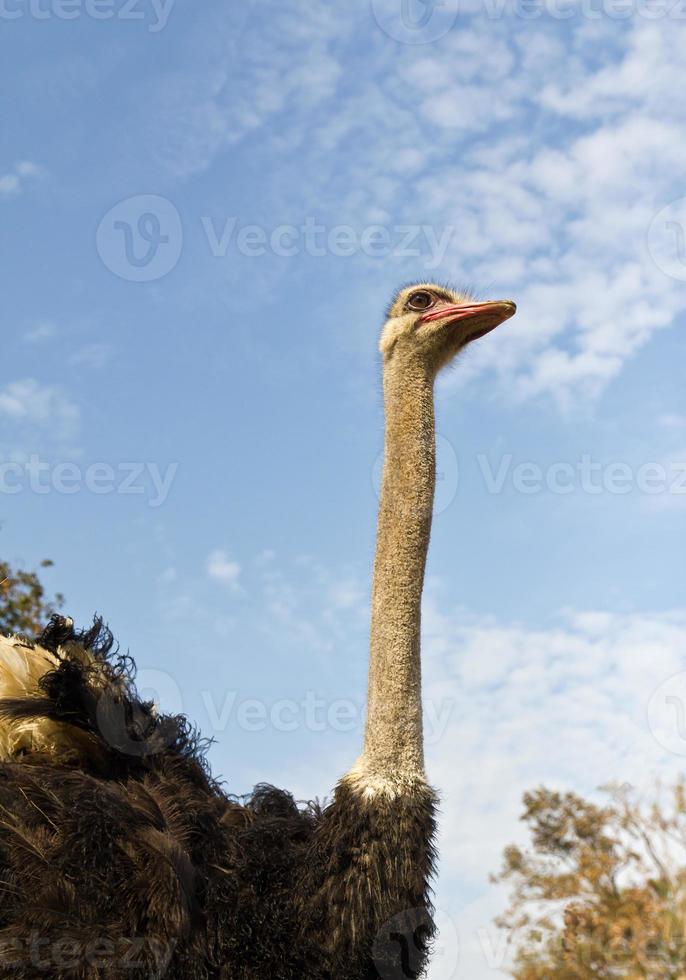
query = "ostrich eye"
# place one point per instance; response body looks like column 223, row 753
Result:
column 421, row 300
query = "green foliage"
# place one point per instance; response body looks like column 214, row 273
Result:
column 23, row 605
column 601, row 892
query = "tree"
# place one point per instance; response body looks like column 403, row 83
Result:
column 23, row 606
column 601, row 893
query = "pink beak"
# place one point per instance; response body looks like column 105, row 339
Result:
column 495, row 312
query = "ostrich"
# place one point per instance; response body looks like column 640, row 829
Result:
column 120, row 856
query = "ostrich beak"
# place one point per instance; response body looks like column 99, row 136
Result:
column 488, row 315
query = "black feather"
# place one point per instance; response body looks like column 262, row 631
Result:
column 133, row 862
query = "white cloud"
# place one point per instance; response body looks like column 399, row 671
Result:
column 305, row 605
column 26, row 168
column 13, row 181
column 565, row 705
column 645, row 72
column 9, row 184
column 673, row 421
column 94, row 356
column 37, row 418
column 220, row 568
column 40, row 332
column 557, row 215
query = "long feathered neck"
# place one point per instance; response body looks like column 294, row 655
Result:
column 393, row 755
column 374, row 853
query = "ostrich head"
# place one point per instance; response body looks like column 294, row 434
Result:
column 433, row 323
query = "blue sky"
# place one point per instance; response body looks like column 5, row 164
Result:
column 204, row 211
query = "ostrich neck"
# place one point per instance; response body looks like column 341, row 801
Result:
column 393, row 748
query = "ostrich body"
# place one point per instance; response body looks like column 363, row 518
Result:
column 119, row 854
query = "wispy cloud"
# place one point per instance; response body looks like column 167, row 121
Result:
column 673, row 421
column 566, row 704
column 14, row 180
column 222, row 569
column 94, row 356
column 40, row 332
column 37, row 418
column 560, row 222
